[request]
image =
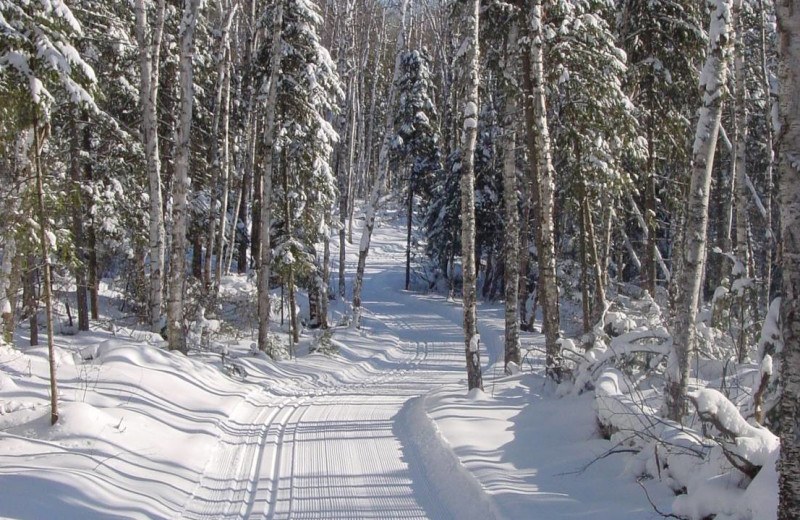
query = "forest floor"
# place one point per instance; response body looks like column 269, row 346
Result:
column 381, row 428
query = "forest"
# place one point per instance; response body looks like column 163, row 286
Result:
column 588, row 208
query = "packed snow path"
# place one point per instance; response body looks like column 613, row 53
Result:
column 342, row 453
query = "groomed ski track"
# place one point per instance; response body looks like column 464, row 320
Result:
column 344, row 449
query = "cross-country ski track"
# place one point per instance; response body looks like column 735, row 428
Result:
column 338, row 452
column 381, row 429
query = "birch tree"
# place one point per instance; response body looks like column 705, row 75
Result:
column 510, row 199
column 788, row 18
column 177, row 274
column 149, row 51
column 469, row 12
column 712, row 88
column 542, row 177
column 379, row 185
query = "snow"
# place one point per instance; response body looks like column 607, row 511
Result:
column 754, row 444
column 383, row 428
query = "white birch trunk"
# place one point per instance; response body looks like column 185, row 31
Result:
column 510, row 199
column 266, row 181
column 220, row 113
column 225, row 184
column 177, row 274
column 379, row 186
column 343, row 129
column 149, row 50
column 545, row 188
column 712, row 84
column 6, row 307
column 788, row 17
column 469, row 10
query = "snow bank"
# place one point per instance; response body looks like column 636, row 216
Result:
column 456, row 487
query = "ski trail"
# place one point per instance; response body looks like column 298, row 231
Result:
column 227, row 481
column 342, row 452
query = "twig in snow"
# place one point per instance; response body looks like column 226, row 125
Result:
column 653, row 505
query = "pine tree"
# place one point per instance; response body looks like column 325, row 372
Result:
column 663, row 40
column 40, row 68
column 417, row 139
column 597, row 132
column 302, row 88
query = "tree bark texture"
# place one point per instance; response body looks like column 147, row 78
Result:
column 469, row 11
column 149, row 51
column 544, row 187
column 77, row 222
column 511, row 202
column 177, row 274
column 788, row 17
column 712, row 84
column 45, row 236
column 265, row 188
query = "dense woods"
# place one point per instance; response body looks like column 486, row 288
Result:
column 624, row 174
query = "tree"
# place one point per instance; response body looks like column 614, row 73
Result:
column 379, row 186
column 596, row 132
column 712, row 88
column 542, row 179
column 264, row 256
column 39, row 67
column 149, row 51
column 308, row 90
column 177, row 275
column 788, row 17
column 469, row 12
column 511, row 231
column 417, row 139
column 663, row 40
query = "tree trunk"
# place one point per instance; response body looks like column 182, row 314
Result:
column 543, row 178
column 469, row 10
column 177, row 274
column 265, row 189
column 524, row 256
column 769, row 106
column 326, row 274
column 197, row 255
column 599, row 304
column 7, row 289
column 149, row 51
column 585, row 305
column 649, row 273
column 409, row 222
column 379, row 186
column 29, row 300
column 77, row 222
column 45, row 236
column 224, row 184
column 712, row 84
column 740, row 140
column 788, row 18
column 511, row 202
column 91, row 257
column 287, row 211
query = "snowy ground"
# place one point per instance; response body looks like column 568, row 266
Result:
column 383, row 429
